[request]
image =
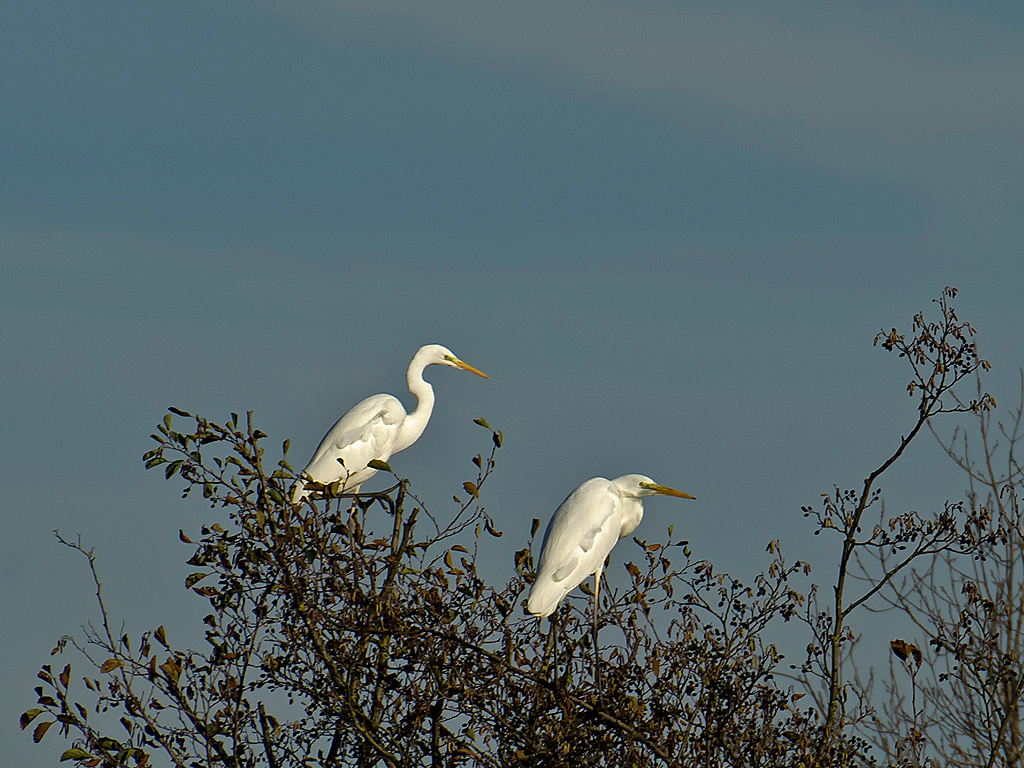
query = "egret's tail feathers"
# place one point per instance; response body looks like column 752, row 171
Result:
column 544, row 599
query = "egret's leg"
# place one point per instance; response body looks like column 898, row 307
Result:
column 597, row 655
column 549, row 647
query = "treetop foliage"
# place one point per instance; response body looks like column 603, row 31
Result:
column 359, row 631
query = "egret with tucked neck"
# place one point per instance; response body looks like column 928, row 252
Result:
column 582, row 533
column 376, row 428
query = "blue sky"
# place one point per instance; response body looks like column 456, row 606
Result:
column 668, row 232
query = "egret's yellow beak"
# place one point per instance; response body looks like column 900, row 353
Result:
column 467, row 367
column 664, row 490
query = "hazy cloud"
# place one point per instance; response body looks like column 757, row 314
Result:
column 919, row 96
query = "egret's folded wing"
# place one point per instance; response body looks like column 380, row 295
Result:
column 576, row 524
column 581, row 533
column 366, row 432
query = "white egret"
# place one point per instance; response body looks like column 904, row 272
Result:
column 583, row 531
column 377, row 428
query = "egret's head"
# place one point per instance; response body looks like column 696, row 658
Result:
column 435, row 354
column 638, row 486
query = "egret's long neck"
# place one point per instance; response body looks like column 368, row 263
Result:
column 632, row 514
column 416, row 421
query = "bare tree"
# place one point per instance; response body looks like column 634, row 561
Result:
column 970, row 611
column 941, row 354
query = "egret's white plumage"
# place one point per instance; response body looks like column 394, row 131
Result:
column 376, row 428
column 583, row 531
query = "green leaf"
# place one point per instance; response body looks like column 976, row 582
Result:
column 383, row 466
column 74, row 754
column 497, row 438
column 180, row 412
column 110, row 665
column 183, row 537
column 167, row 420
column 173, row 467
column 194, row 578
column 41, row 729
column 482, row 422
column 134, row 753
column 172, row 669
column 161, row 636
column 534, row 526
column 471, row 489
column 28, row 717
